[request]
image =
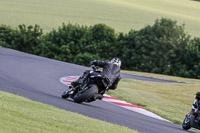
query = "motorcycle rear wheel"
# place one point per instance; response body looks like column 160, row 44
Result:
column 83, row 96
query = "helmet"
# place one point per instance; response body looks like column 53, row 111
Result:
column 116, row 61
column 198, row 95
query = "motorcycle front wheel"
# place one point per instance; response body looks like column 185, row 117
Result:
column 186, row 123
column 65, row 94
column 87, row 94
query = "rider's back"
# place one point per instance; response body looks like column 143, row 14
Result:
column 111, row 71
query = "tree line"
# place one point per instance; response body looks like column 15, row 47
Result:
column 163, row 47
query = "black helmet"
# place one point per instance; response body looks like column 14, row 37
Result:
column 116, row 61
column 198, row 95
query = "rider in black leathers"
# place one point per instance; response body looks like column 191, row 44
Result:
column 111, row 71
column 196, row 103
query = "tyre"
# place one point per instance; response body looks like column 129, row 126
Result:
column 83, row 96
column 192, row 118
column 186, row 123
column 65, row 94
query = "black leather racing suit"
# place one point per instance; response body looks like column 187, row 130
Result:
column 110, row 71
column 195, row 105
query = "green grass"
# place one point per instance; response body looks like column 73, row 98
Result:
column 122, row 15
column 21, row 115
column 169, row 100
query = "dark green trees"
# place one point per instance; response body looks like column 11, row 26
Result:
column 98, row 43
column 7, row 36
column 25, row 39
column 64, row 43
column 158, row 48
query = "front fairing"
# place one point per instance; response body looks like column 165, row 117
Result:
column 96, row 78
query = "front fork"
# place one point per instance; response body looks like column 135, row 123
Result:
column 189, row 115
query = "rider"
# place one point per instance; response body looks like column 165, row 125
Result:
column 196, row 103
column 111, row 71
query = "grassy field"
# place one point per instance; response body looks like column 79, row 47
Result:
column 21, row 115
column 122, row 15
column 169, row 100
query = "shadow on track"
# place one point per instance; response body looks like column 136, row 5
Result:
column 85, row 104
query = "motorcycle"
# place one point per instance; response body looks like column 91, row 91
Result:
column 192, row 119
column 90, row 90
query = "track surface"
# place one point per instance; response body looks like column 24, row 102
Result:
column 37, row 78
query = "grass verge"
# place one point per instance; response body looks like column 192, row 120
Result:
column 21, row 115
column 169, row 100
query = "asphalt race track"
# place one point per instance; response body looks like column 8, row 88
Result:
column 37, row 78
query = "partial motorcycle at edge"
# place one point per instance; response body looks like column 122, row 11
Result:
column 192, row 119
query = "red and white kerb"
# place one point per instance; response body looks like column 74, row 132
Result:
column 67, row 80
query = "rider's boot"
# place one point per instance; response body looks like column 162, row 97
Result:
column 98, row 96
column 81, row 79
column 75, row 83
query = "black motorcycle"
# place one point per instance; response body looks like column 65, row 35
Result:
column 192, row 119
column 90, row 90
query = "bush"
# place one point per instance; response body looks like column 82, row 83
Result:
column 85, row 58
column 64, row 42
column 7, row 36
column 99, row 40
column 27, row 39
column 156, row 48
